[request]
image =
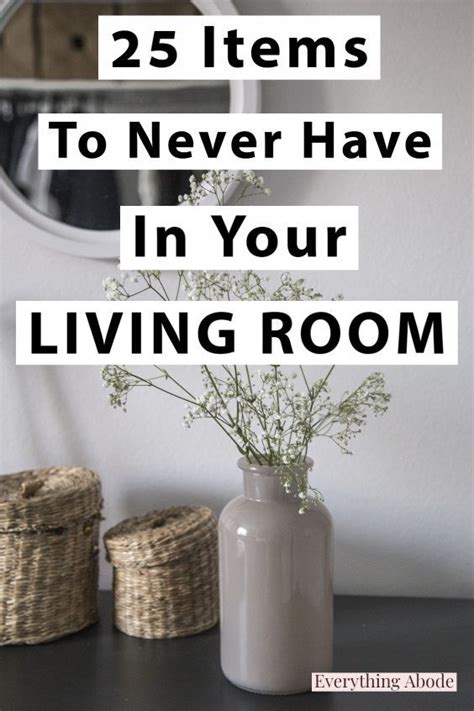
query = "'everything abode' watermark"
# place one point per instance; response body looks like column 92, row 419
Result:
column 380, row 681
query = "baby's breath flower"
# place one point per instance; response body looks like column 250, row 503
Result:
column 272, row 415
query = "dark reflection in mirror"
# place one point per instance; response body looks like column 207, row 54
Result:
column 48, row 60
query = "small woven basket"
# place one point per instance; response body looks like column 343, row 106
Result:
column 49, row 529
column 165, row 572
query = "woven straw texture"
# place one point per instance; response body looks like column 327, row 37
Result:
column 49, row 530
column 165, row 572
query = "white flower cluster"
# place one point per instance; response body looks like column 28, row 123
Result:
column 245, row 286
column 217, row 183
column 271, row 416
column 249, row 179
column 115, row 288
column 273, row 421
column 294, row 290
column 120, row 382
column 208, row 286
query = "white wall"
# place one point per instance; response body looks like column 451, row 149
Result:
column 401, row 504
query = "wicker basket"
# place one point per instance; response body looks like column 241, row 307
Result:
column 49, row 528
column 165, row 572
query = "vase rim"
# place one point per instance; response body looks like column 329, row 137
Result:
column 270, row 469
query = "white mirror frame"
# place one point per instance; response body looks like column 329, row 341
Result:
column 245, row 97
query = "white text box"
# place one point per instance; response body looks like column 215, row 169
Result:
column 242, row 332
column 240, row 141
column 253, row 237
column 347, row 47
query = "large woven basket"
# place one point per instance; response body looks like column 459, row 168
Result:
column 165, row 572
column 49, row 528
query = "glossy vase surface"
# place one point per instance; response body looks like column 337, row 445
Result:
column 276, row 597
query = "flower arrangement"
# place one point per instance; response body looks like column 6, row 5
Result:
column 271, row 415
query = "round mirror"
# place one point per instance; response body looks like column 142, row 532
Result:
column 48, row 60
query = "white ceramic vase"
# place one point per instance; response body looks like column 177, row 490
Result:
column 276, row 597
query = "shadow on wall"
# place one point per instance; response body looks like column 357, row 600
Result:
column 52, row 405
column 359, row 560
column 248, row 7
column 291, row 97
column 138, row 502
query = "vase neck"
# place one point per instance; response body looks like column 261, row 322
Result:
column 265, row 487
column 263, row 482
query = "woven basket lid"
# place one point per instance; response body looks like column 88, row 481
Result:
column 48, row 498
column 160, row 536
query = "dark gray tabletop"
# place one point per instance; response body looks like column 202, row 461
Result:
column 101, row 669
